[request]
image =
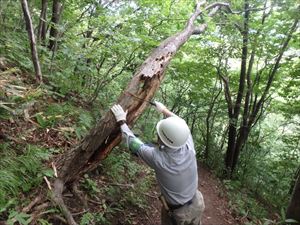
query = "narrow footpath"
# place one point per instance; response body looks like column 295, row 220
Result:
column 217, row 211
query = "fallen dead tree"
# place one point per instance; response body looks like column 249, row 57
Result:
column 106, row 134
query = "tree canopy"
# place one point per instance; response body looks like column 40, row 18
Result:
column 231, row 70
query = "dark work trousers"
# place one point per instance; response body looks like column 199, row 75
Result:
column 186, row 215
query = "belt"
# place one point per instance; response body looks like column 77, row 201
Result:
column 173, row 207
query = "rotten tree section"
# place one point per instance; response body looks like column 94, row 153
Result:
column 106, row 134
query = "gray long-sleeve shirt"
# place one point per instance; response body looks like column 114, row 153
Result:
column 175, row 169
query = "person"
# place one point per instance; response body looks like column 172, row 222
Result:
column 174, row 163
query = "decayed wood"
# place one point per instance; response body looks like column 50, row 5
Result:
column 29, row 27
column 106, row 134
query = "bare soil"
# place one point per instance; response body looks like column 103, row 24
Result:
column 217, row 211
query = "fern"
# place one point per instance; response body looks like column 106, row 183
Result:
column 20, row 172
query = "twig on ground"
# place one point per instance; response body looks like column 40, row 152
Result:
column 39, row 211
column 31, row 204
column 48, row 183
column 60, row 218
column 151, row 196
column 95, row 202
column 79, row 213
column 42, row 206
column 79, row 195
column 54, row 169
column 117, row 184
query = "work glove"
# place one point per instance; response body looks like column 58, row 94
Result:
column 119, row 113
column 159, row 106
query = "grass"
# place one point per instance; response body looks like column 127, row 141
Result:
column 20, row 173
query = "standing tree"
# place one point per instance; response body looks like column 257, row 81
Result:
column 56, row 13
column 42, row 28
column 253, row 88
column 34, row 54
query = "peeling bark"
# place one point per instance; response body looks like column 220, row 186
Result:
column 106, row 134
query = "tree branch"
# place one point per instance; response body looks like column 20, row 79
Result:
column 273, row 71
column 227, row 93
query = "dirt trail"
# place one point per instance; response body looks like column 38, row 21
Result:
column 216, row 212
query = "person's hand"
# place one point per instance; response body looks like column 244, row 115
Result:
column 159, row 106
column 119, row 113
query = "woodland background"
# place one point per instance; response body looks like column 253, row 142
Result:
column 236, row 84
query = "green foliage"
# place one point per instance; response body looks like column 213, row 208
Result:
column 55, row 113
column 242, row 203
column 20, row 172
column 122, row 168
column 43, row 222
column 99, row 48
column 66, row 114
column 94, row 218
column 90, row 185
column 20, row 217
column 85, row 121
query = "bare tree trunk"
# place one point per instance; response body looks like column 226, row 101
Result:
column 238, row 134
column 208, row 121
column 293, row 210
column 29, row 27
column 233, row 118
column 106, row 134
column 41, row 35
column 56, row 12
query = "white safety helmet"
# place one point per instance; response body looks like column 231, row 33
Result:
column 173, row 131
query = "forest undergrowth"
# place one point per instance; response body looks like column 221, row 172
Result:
column 38, row 124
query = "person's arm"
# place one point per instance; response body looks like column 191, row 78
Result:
column 133, row 143
column 163, row 109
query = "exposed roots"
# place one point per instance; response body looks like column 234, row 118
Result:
column 39, row 212
column 79, row 195
column 32, row 204
column 58, row 200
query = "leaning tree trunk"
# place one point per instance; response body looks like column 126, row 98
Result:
column 106, row 134
column 34, row 54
